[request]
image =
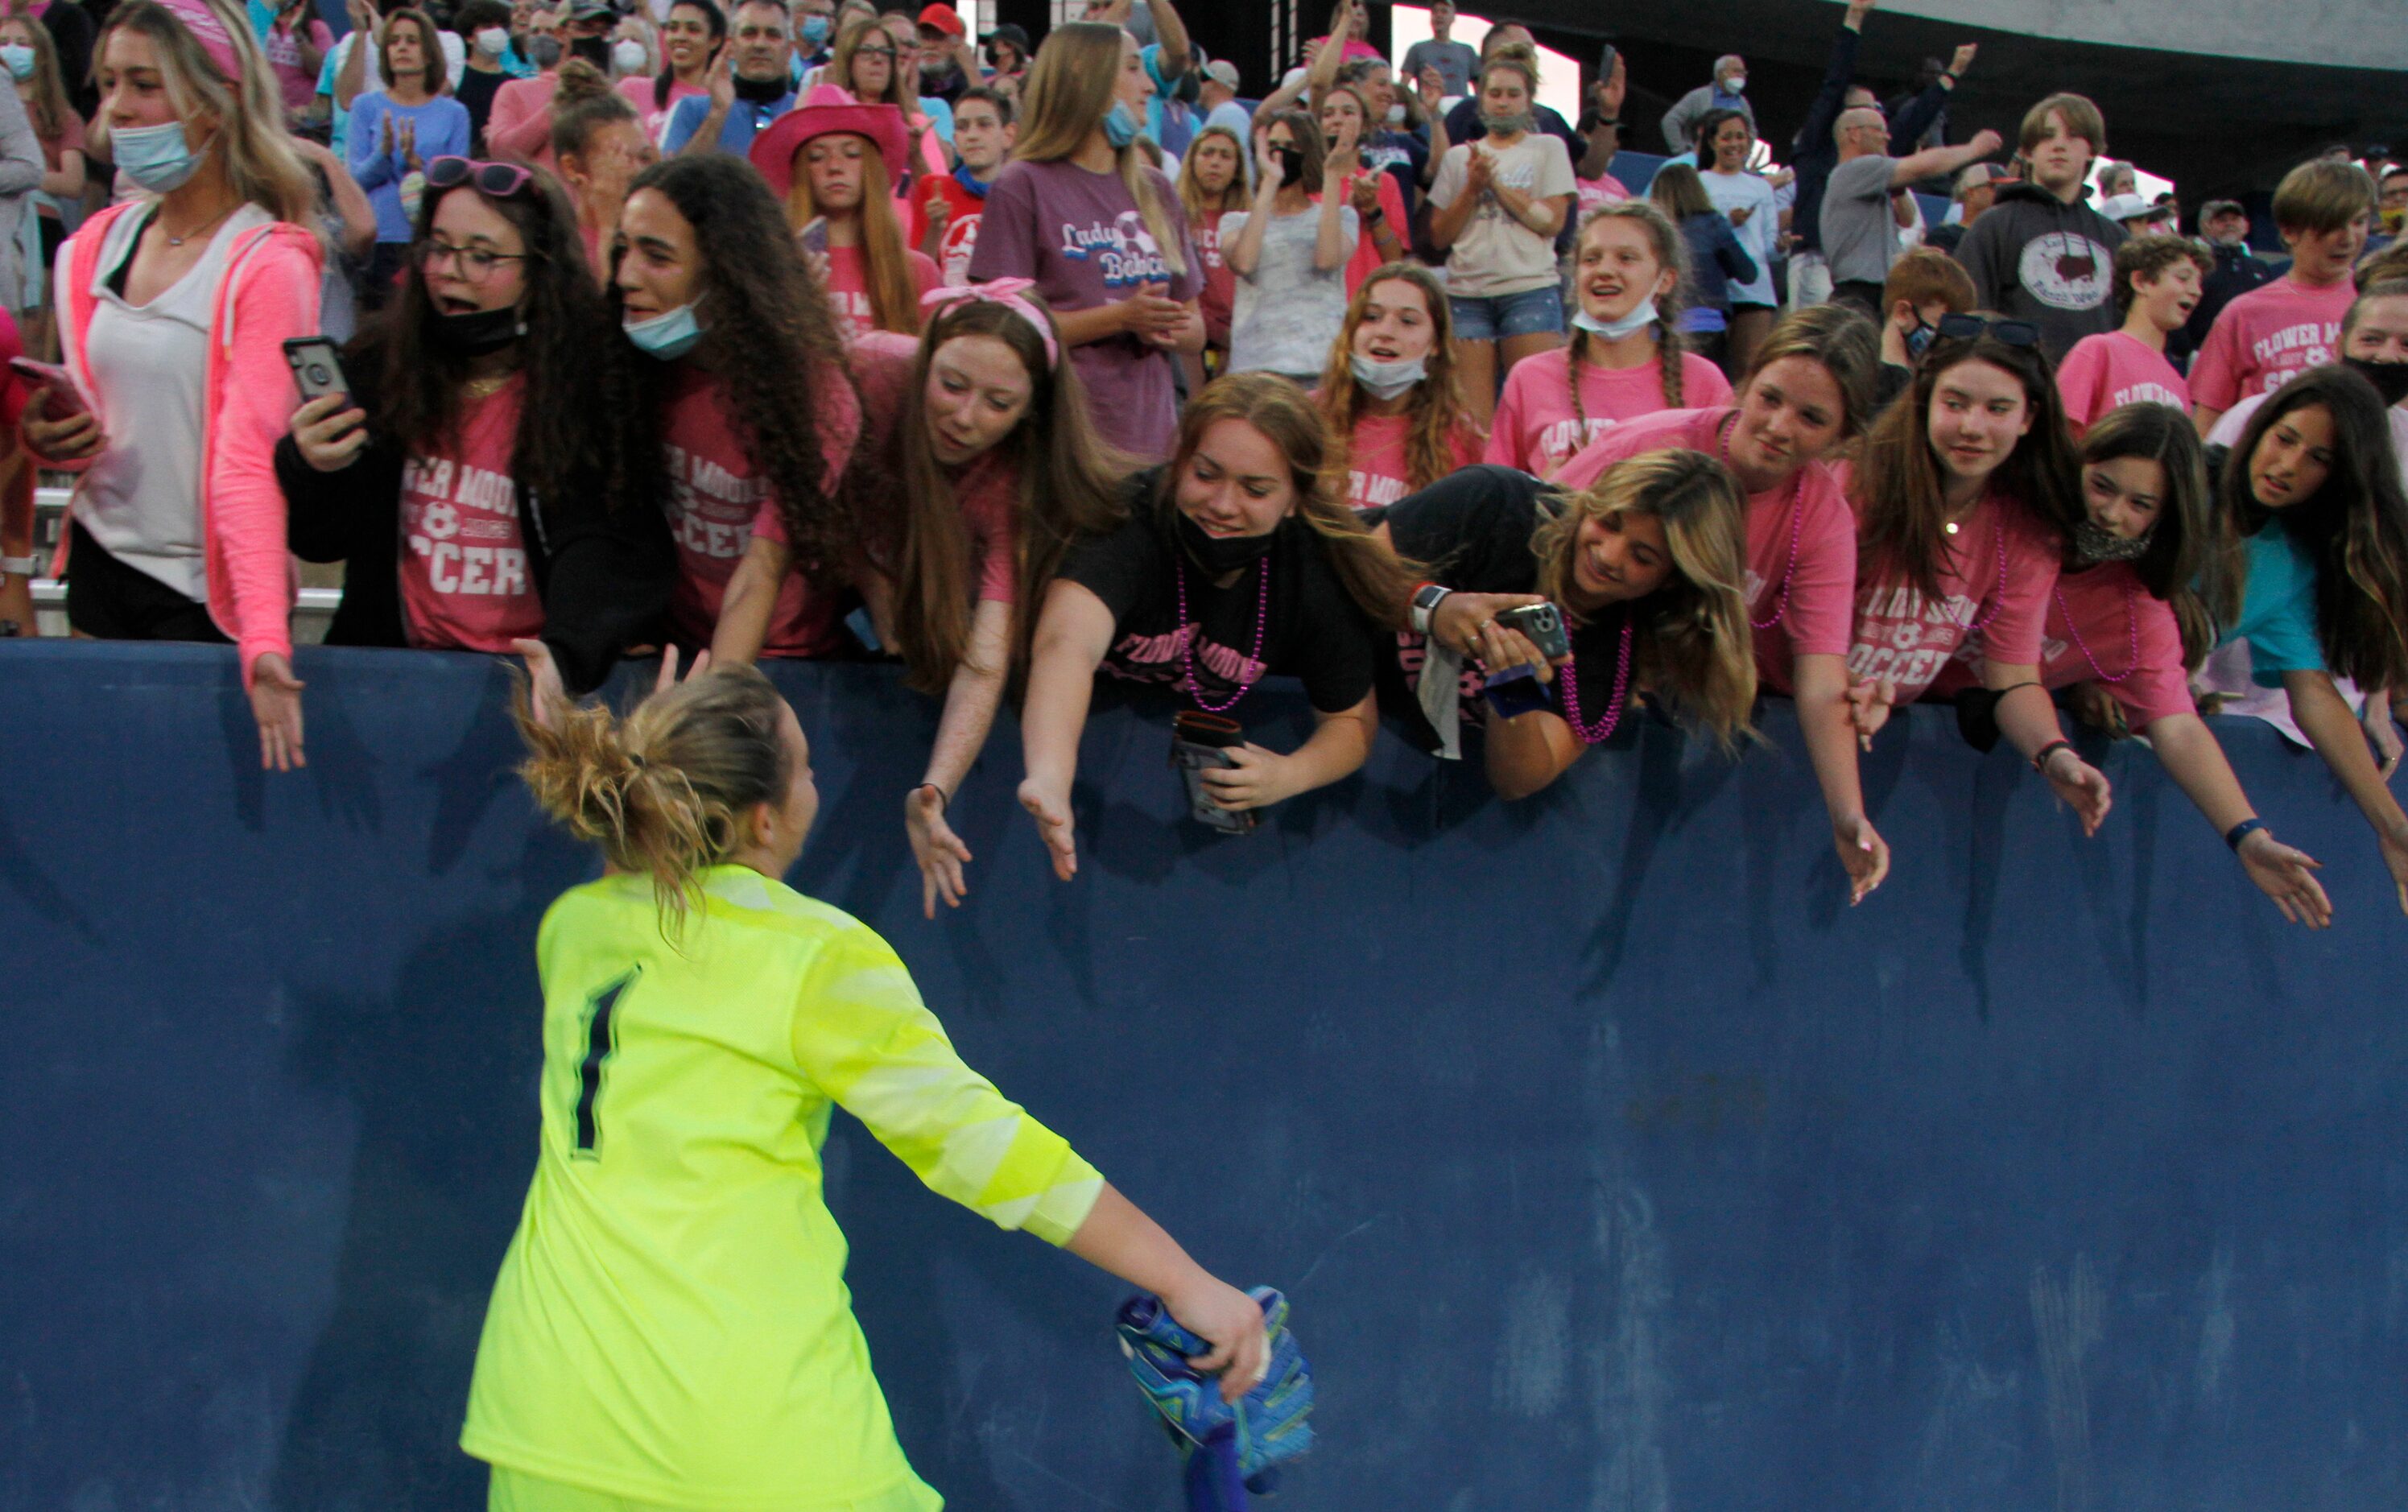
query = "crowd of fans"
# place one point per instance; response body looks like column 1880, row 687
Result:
column 801, row 329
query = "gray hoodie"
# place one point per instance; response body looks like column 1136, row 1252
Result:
column 2034, row 257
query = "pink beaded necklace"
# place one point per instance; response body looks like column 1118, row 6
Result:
column 1797, row 519
column 2131, row 626
column 1591, row 733
column 1187, row 638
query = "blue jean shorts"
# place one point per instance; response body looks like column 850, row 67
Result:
column 1498, row 316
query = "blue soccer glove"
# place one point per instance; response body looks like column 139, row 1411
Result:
column 1266, row 1428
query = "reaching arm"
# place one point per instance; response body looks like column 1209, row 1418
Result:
column 1119, row 1239
column 1340, row 742
column 2323, row 716
column 2188, row 750
column 351, row 79
column 970, row 702
column 1171, row 34
column 1916, row 119
column 750, row 599
column 1837, row 75
column 2029, row 718
column 1073, row 633
column 1330, row 249
column 1822, row 700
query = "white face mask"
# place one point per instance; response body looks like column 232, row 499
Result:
column 1641, row 315
column 1396, row 115
column 492, row 40
column 1387, row 380
column 1735, row 84
column 628, row 56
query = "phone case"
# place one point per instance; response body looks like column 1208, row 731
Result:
column 1192, row 761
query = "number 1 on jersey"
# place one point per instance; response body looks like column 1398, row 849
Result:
column 601, row 1040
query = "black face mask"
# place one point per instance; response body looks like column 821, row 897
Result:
column 2390, row 379
column 544, row 52
column 593, row 50
column 2094, row 543
column 1291, row 162
column 477, row 332
column 1220, row 555
column 762, row 91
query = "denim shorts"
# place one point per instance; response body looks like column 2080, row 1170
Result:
column 1497, row 316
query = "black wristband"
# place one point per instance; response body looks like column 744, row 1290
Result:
column 2234, row 836
column 944, row 800
column 2040, row 757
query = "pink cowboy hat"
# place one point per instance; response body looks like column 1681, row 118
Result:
column 829, row 111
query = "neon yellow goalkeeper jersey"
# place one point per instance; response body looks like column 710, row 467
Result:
column 671, row 1322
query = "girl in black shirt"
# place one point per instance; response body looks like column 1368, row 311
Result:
column 1236, row 560
column 1648, row 570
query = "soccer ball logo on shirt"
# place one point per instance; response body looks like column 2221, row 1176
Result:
column 2066, row 271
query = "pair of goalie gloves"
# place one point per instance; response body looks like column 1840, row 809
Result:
column 1228, row 1449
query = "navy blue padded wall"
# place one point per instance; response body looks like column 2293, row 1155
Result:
column 1611, row 1159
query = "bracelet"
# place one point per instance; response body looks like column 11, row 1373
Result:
column 944, row 800
column 19, row 567
column 2234, row 836
column 2040, row 757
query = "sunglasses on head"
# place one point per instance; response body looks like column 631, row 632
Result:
column 2013, row 333
column 503, row 181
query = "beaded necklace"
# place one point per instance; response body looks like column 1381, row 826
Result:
column 2132, row 630
column 1797, row 519
column 1591, row 733
column 1187, row 638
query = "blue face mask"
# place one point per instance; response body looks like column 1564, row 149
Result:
column 1120, row 127
column 19, row 59
column 815, row 29
column 668, row 336
column 1641, row 315
column 156, row 157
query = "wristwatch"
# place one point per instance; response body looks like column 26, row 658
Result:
column 1425, row 601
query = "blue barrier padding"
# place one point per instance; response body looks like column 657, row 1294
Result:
column 1609, row 1159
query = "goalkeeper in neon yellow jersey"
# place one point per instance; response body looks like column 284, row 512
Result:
column 671, row 1327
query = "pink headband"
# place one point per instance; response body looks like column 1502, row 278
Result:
column 210, row 33
column 1008, row 293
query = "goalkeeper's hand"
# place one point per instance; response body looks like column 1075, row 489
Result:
column 1232, row 1323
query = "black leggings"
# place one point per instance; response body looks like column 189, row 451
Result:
column 109, row 600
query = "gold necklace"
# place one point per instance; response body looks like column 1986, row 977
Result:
column 484, row 388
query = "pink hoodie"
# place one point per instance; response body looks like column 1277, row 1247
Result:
column 269, row 293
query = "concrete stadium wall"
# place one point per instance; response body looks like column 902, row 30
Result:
column 1611, row 1160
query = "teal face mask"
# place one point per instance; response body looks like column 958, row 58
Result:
column 666, row 337
column 1120, row 127
column 156, row 157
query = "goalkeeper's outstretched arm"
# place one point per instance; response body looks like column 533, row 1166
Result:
column 1119, row 1238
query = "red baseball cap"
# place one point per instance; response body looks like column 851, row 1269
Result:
column 944, row 18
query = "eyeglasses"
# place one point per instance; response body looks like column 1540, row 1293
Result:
column 475, row 264
column 874, row 52
column 503, row 181
column 2013, row 333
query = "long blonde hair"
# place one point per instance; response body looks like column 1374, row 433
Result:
column 1066, row 95
column 260, row 161
column 669, row 790
column 1695, row 645
column 1437, row 412
column 893, row 297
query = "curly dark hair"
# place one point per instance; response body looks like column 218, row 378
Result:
column 562, row 456
column 769, row 338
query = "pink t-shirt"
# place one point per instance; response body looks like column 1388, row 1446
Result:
column 986, row 489
column 2107, row 371
column 715, row 502
column 2103, row 628
column 1998, row 580
column 519, row 126
column 1802, row 539
column 464, row 585
column 1597, row 192
column 1367, row 259
column 849, row 286
column 1535, row 430
column 2267, row 338
column 637, row 89
column 297, row 85
column 1218, row 300
column 1378, row 472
